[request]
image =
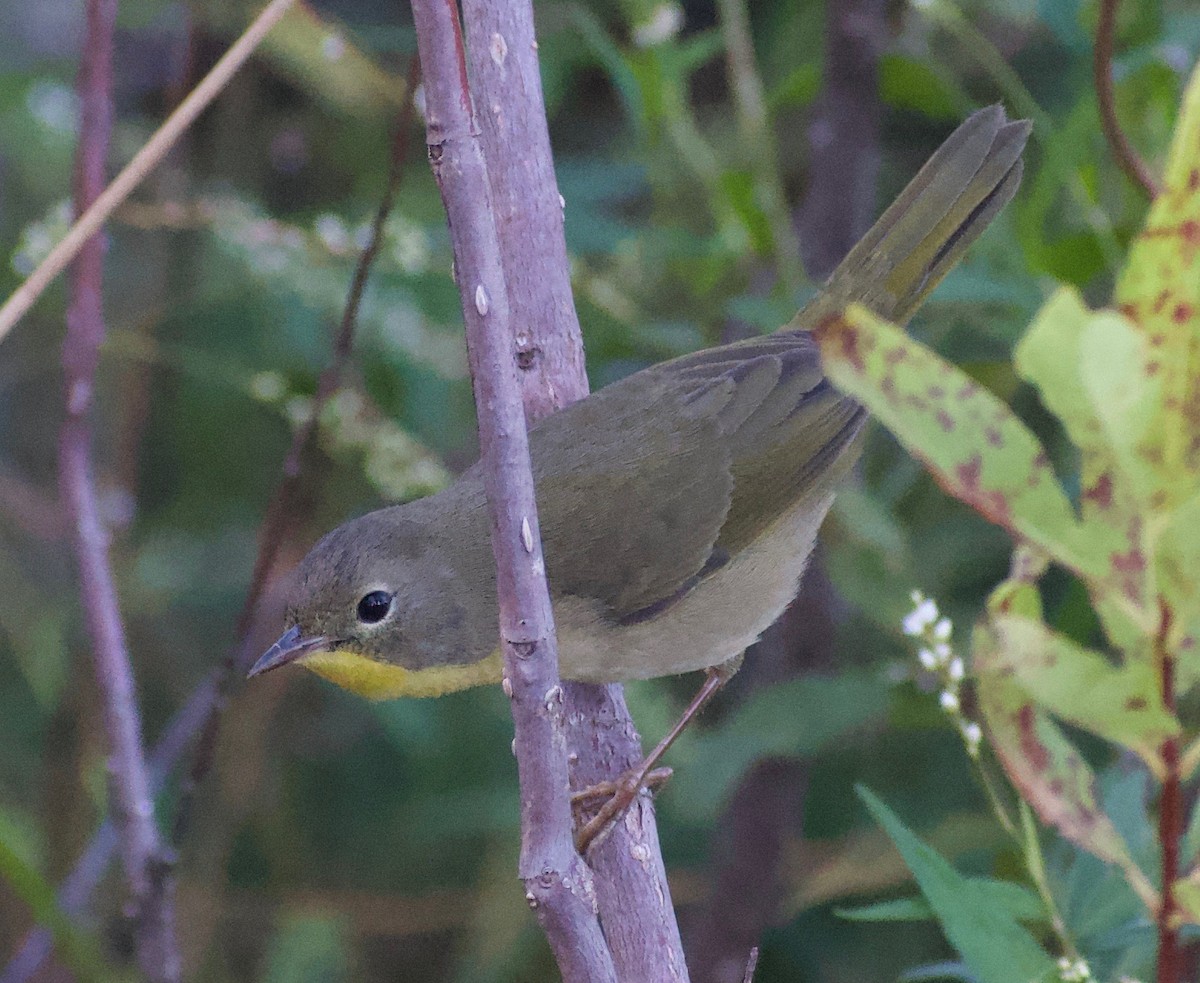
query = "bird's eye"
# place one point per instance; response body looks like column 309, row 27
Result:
column 374, row 607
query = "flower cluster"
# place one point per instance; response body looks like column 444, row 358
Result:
column 1074, row 971
column 937, row 657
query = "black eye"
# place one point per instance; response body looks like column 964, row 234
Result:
column 374, row 607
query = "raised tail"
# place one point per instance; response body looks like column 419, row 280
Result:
column 927, row 228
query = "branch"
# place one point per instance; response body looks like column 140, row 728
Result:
column 281, row 512
column 133, row 808
column 754, row 131
column 558, row 884
column 1126, row 156
column 101, row 205
column 201, row 714
column 630, row 882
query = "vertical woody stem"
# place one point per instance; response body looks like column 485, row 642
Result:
column 631, row 885
column 132, row 804
column 558, row 885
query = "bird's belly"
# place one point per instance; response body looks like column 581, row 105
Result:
column 716, row 620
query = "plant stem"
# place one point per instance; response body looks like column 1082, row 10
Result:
column 558, row 884
column 89, row 220
column 1126, row 156
column 146, row 869
column 630, row 877
column 1170, row 818
column 755, row 133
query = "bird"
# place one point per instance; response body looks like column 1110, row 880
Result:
column 678, row 506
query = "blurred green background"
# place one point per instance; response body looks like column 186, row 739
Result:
column 339, row 840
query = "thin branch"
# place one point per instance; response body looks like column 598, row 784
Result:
column 200, row 715
column 1123, row 151
column 79, row 886
column 754, row 130
column 144, row 161
column 630, row 878
column 1170, row 819
column 133, row 807
column 751, row 966
column 558, row 885
column 281, row 512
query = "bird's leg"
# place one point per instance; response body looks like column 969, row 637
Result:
column 624, row 790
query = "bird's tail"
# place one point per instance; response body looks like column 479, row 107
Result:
column 935, row 219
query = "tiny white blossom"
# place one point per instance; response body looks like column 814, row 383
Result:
column 942, row 630
column 1074, row 971
column 664, row 22
column 920, row 618
column 927, row 659
column 943, row 652
column 956, row 670
column 973, row 736
column 949, row 701
column 332, row 232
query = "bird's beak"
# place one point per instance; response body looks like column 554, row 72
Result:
column 289, row 648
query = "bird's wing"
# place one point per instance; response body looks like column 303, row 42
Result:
column 642, row 512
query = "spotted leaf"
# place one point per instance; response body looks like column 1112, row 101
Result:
column 1122, row 704
column 1041, row 762
column 969, row 439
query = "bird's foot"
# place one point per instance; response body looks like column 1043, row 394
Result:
column 619, row 796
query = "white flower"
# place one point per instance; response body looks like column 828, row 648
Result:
column 664, row 22
column 972, row 736
column 949, row 701
column 917, row 621
column 955, row 670
column 942, row 630
column 1074, row 971
column 928, row 660
column 332, row 232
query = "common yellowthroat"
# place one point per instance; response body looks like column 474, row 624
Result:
column 678, row 506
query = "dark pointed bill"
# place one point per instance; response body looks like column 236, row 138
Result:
column 289, row 648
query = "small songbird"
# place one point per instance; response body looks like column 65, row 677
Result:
column 678, row 506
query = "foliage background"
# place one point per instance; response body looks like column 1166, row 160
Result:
column 342, row 840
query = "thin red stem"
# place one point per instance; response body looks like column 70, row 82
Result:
column 1170, row 823
column 132, row 803
column 1123, row 151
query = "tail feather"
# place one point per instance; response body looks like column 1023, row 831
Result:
column 941, row 212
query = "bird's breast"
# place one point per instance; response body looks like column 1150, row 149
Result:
column 716, row 620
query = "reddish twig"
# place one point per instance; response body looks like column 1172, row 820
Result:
column 631, row 885
column 132, row 805
column 88, row 222
column 1126, row 156
column 558, row 884
column 201, row 714
column 281, row 512
column 79, row 886
column 1170, row 820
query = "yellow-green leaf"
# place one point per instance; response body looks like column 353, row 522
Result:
column 1045, row 767
column 1159, row 292
column 1122, row 704
column 971, row 441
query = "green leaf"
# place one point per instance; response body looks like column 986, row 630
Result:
column 798, row 717
column 1122, row 704
column 79, row 951
column 1020, row 903
column 1049, row 772
column 971, row 441
column 1159, row 291
column 307, row 949
column 985, row 933
column 1056, row 355
column 908, row 83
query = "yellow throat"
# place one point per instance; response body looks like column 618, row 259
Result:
column 384, row 681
